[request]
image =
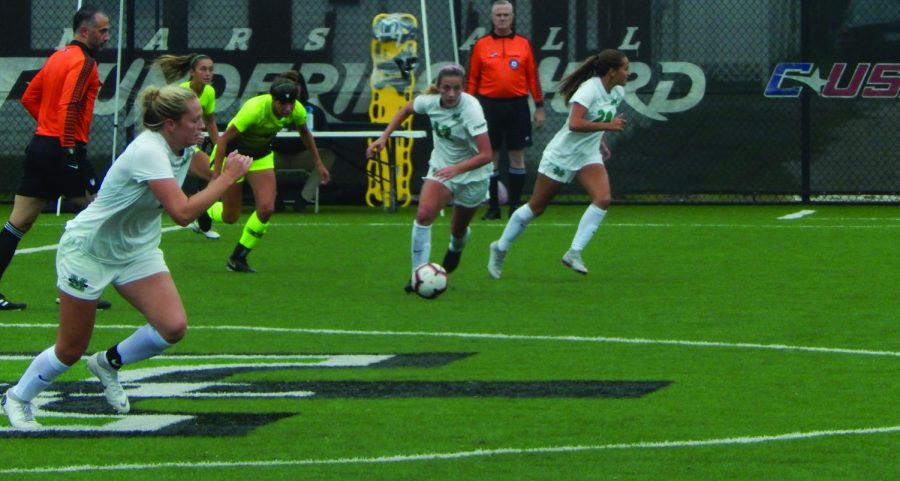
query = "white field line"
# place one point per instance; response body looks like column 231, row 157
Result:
column 307, row 225
column 797, row 215
column 33, row 250
column 403, row 458
column 500, row 336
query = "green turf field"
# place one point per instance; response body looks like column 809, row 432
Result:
column 707, row 343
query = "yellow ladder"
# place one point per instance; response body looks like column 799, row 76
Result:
column 393, row 50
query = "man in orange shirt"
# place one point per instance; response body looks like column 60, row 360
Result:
column 502, row 72
column 61, row 98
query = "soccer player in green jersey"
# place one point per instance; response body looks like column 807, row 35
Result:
column 251, row 132
column 201, row 69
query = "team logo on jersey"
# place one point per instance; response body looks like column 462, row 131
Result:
column 514, row 64
column 879, row 81
column 442, row 131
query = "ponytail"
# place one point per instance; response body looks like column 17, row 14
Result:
column 595, row 65
column 176, row 66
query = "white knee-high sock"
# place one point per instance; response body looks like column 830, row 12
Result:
column 590, row 222
column 516, row 225
column 143, row 344
column 40, row 374
column 421, row 244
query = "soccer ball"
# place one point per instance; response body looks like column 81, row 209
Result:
column 429, row 280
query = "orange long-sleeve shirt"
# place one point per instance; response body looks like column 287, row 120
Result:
column 503, row 67
column 61, row 96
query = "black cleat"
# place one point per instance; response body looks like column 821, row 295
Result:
column 239, row 265
column 451, row 260
column 408, row 288
column 491, row 214
column 5, row 305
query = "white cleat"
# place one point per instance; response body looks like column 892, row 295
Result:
column 572, row 259
column 109, row 377
column 209, row 234
column 495, row 261
column 19, row 413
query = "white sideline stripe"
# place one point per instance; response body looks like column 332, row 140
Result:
column 842, row 219
column 500, row 336
column 797, row 215
column 402, row 458
column 33, row 250
column 306, row 225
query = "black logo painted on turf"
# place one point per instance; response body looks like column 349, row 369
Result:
column 208, row 379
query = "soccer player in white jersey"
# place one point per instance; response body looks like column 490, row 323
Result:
column 115, row 240
column 459, row 168
column 594, row 92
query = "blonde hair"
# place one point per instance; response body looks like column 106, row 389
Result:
column 161, row 103
column 175, row 66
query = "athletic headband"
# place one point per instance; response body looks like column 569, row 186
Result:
column 284, row 90
column 197, row 58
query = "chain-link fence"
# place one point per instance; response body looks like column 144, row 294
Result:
column 729, row 100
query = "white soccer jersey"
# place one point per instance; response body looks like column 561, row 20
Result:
column 453, row 133
column 123, row 222
column 577, row 149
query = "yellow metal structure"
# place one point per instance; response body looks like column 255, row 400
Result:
column 392, row 82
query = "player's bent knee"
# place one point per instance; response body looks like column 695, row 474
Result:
column 425, row 216
column 265, row 212
column 174, row 331
column 70, row 353
column 537, row 210
column 603, row 202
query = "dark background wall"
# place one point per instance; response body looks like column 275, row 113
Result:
column 709, row 118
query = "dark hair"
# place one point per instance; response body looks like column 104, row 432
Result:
column 449, row 70
column 175, row 66
column 597, row 65
column 283, row 90
column 294, row 76
column 84, row 16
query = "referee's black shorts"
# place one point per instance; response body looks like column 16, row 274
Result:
column 47, row 175
column 509, row 122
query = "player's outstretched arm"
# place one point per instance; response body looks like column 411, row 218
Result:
column 401, row 115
